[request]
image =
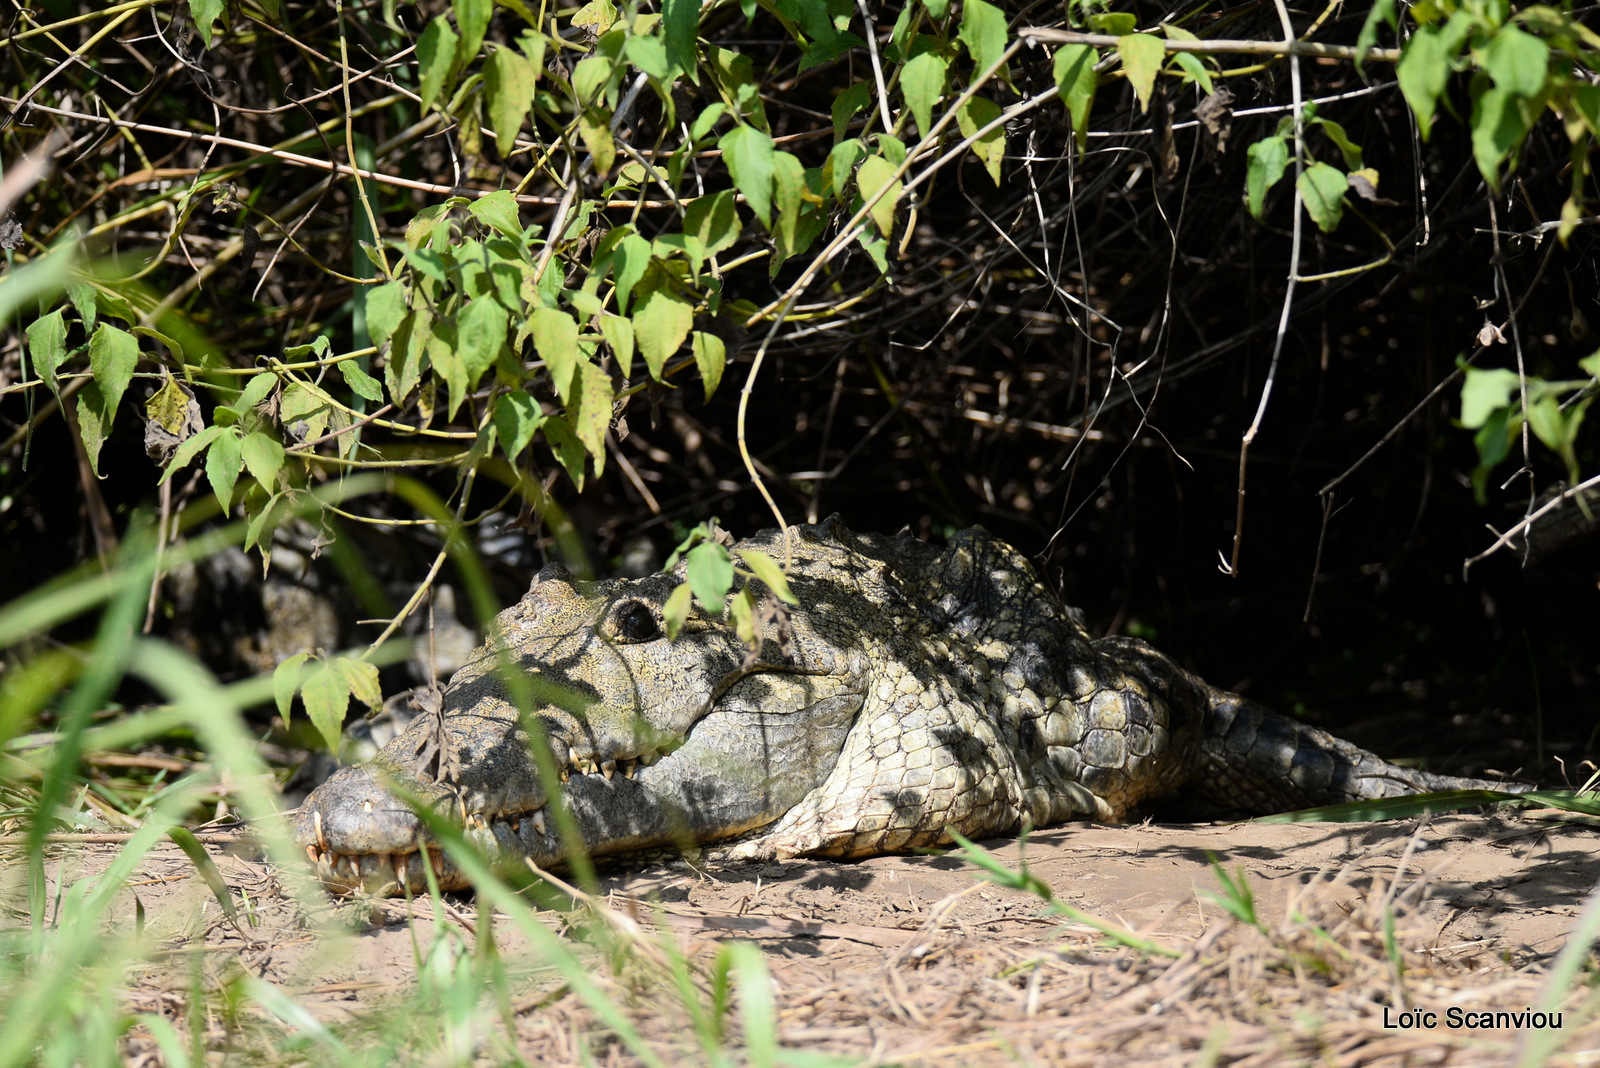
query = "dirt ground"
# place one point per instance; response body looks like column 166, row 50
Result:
column 916, row 960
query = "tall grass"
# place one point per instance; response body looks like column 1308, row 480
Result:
column 71, row 953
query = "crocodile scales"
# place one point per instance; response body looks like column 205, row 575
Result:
column 917, row 691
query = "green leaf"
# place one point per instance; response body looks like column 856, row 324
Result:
column 1142, row 56
column 1268, row 157
column 517, row 417
column 983, row 31
column 1114, row 23
column 362, row 678
column 326, row 695
column 566, row 448
column 748, row 153
column 661, row 322
column 618, row 332
column 1382, row 12
column 680, row 25
column 263, row 457
column 676, row 610
column 710, row 572
column 436, row 51
column 629, row 263
column 788, row 188
column 224, row 461
column 255, row 391
column 47, row 343
column 1322, row 189
column 360, row 383
column 85, row 302
column 650, row 56
column 386, row 306
column 771, row 575
column 555, row 336
column 709, row 356
column 847, row 103
column 937, row 9
column 204, row 13
column 1518, row 61
column 94, row 423
column 286, row 683
column 875, row 174
column 1347, row 148
column 1195, row 69
column 508, row 80
column 1498, row 127
column 744, row 616
column 1482, row 392
column 1422, row 72
column 714, row 220
column 974, row 115
column 840, row 166
column 498, row 211
column 189, row 449
column 1591, row 364
column 922, row 83
column 472, row 19
column 113, row 354
column 483, row 332
column 592, row 418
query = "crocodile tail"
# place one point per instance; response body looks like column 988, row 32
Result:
column 1258, row 762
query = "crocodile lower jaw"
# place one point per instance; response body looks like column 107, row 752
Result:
column 520, row 837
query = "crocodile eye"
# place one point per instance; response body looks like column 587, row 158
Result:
column 636, row 622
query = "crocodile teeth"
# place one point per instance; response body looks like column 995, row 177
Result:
column 316, row 819
column 629, row 767
column 311, row 851
column 399, row 862
column 572, row 758
column 608, row 767
column 516, row 826
column 538, row 821
column 647, row 759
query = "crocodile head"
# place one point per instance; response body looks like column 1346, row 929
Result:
column 655, row 742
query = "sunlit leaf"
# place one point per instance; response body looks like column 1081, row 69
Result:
column 878, row 173
column 1142, row 56
column 113, row 354
column 47, row 344
column 362, row 679
column 618, row 332
column 767, row 570
column 922, row 81
column 709, row 356
column 1075, row 81
column 983, row 31
column 974, row 115
column 286, row 683
column 262, row 456
column 555, row 336
column 224, row 461
column 498, row 211
column 326, row 695
column 710, row 572
column 436, row 51
column 517, row 417
column 661, row 322
column 748, row 153
column 1322, row 189
column 676, row 610
column 1268, row 157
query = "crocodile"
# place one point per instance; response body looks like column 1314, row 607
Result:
column 912, row 692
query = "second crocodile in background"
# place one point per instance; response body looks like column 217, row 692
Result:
column 919, row 691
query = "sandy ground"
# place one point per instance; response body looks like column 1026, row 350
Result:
column 916, row 960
